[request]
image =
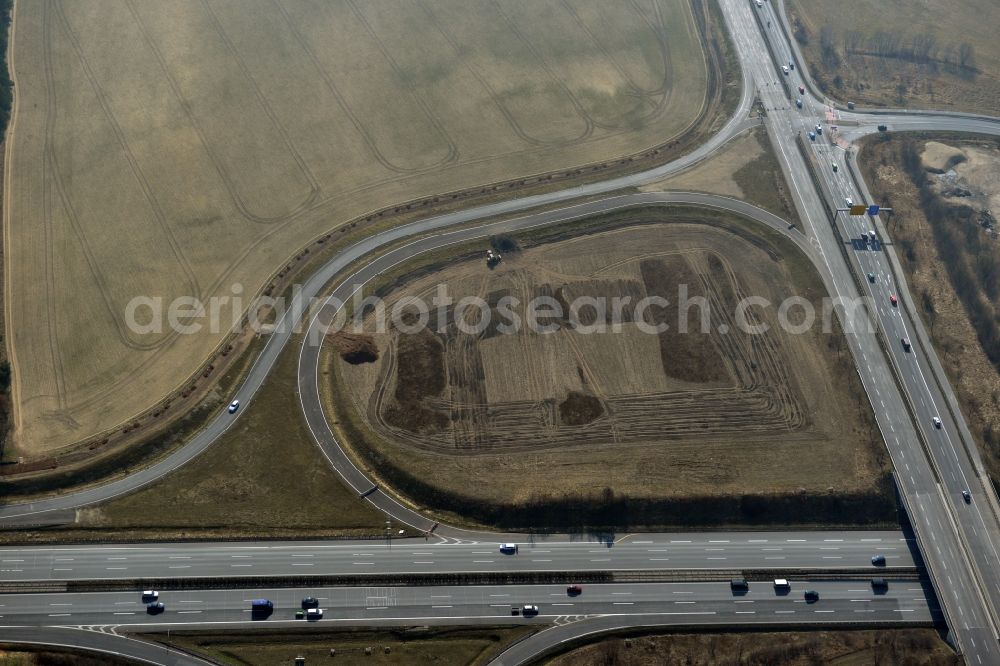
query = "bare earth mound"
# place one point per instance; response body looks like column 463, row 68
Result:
column 714, row 411
column 168, row 150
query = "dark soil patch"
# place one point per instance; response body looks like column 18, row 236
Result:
column 420, row 374
column 690, row 356
column 579, row 409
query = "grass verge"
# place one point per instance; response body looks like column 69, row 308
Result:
column 919, row 647
column 24, row 655
column 264, row 478
column 447, row 646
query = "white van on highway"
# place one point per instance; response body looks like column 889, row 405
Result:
column 781, row 584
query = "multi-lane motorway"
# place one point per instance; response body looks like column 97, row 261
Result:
column 932, row 465
column 701, row 603
column 676, row 551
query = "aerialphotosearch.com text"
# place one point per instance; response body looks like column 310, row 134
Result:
column 507, row 315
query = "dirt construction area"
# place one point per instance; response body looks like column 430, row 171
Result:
column 189, row 150
column 602, row 397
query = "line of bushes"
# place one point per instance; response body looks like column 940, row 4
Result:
column 6, row 85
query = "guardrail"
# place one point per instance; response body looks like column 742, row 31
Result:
column 450, row 579
column 25, row 587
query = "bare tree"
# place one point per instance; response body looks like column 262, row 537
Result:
column 827, row 47
column 892, row 43
column 884, row 43
column 924, row 47
column 852, row 41
column 966, row 56
column 947, row 55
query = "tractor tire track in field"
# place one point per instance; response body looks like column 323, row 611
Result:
column 314, row 188
column 191, row 286
column 328, row 82
column 577, row 106
column 185, row 106
column 59, row 373
column 761, row 397
column 635, row 88
column 452, row 153
column 494, row 97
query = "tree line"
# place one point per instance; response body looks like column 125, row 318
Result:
column 922, row 48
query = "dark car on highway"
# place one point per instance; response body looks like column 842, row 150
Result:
column 261, row 609
column 878, row 560
column 811, row 596
column 155, row 608
column 310, row 602
column 574, row 590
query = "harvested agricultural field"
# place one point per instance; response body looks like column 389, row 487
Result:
column 594, row 400
column 903, row 53
column 191, row 150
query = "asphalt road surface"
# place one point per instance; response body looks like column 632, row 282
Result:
column 706, row 551
column 100, row 640
column 958, row 541
column 713, row 603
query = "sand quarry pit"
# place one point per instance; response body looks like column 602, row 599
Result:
column 504, row 415
column 968, row 174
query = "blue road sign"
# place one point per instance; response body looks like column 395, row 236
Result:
column 873, row 209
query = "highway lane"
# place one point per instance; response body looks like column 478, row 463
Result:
column 956, row 463
column 704, row 551
column 844, row 601
column 758, row 615
column 957, row 545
